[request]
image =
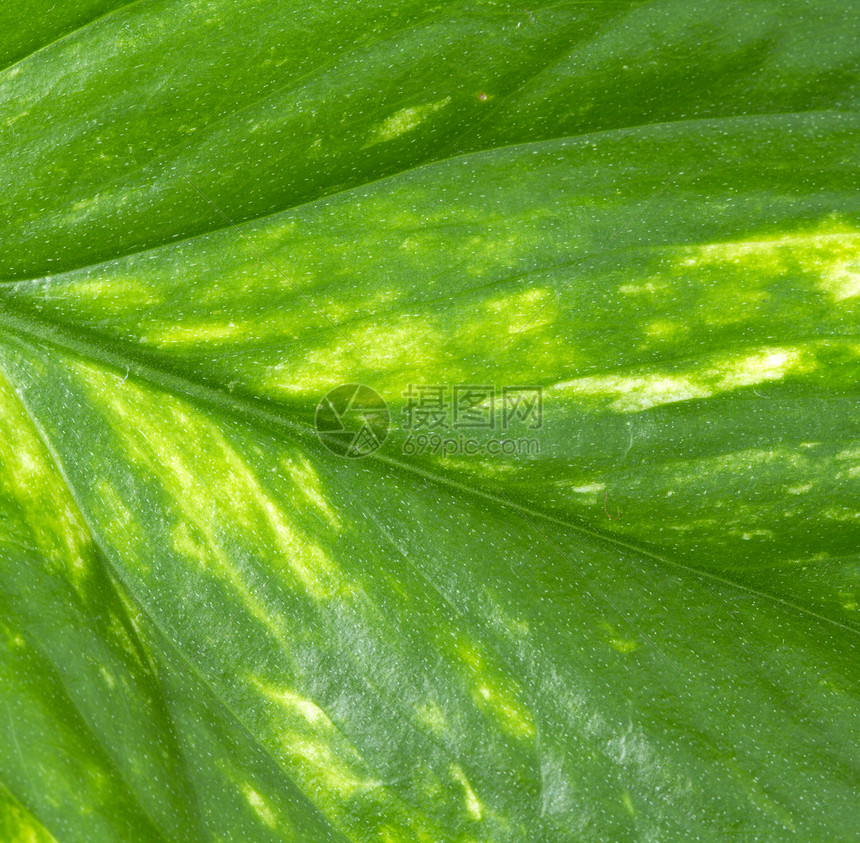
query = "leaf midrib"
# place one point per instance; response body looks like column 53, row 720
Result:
column 257, row 412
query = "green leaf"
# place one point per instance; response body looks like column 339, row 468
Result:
column 214, row 628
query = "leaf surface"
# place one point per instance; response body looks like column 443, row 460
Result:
column 214, row 628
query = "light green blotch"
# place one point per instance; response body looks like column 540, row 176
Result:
column 502, row 618
column 199, row 333
column 744, row 461
column 260, row 805
column 421, row 219
column 17, row 825
column 624, row 645
column 214, row 494
column 307, row 481
column 494, row 695
column 648, row 288
column 474, row 807
column 317, row 754
column 11, row 121
column 749, row 535
column 627, row 802
column 665, row 329
column 109, row 296
column 828, row 252
column 108, row 677
column 192, row 333
column 270, row 232
column 390, row 834
column 848, row 601
column 30, row 478
column 842, row 281
column 320, row 756
column 343, row 309
column 442, row 343
column 377, row 347
column 405, row 120
column 721, row 373
column 431, row 716
column 619, row 642
column 835, row 514
column 522, row 311
column 12, row 640
column 852, row 457
column 585, row 489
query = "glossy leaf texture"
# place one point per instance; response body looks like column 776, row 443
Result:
column 214, row 628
